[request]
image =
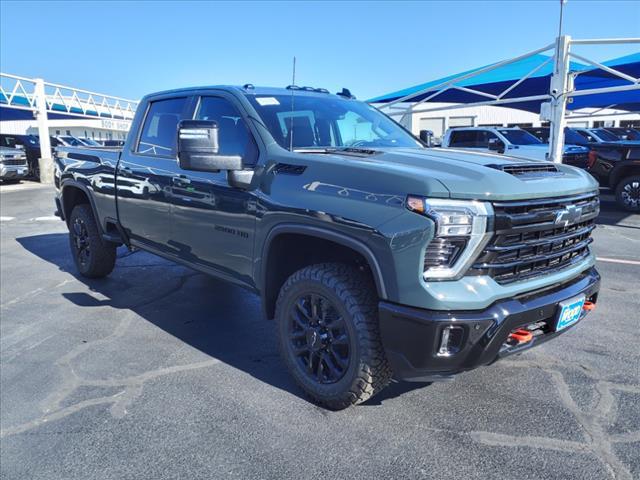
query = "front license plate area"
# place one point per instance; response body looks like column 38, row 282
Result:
column 570, row 312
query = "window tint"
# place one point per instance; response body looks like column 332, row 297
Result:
column 463, row 138
column 160, row 127
column 520, row 137
column 482, row 141
column 234, row 137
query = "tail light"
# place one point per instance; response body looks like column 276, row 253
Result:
column 592, row 157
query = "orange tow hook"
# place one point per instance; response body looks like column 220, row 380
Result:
column 521, row 335
column 588, row 306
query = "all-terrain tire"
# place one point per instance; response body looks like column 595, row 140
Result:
column 628, row 193
column 94, row 257
column 352, row 297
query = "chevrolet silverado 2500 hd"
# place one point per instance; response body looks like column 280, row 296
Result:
column 375, row 255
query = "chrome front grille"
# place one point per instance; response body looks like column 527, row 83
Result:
column 536, row 237
column 14, row 161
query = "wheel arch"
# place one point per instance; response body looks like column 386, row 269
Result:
column 622, row 171
column 74, row 193
column 290, row 238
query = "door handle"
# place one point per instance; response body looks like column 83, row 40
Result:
column 181, row 181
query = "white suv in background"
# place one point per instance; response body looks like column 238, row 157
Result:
column 511, row 141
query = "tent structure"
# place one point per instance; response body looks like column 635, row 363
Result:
column 550, row 85
column 474, row 83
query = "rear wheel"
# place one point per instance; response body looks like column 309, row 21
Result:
column 327, row 319
column 94, row 257
column 628, row 193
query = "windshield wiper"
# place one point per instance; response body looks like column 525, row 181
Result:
column 330, row 150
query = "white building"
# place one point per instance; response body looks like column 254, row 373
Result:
column 458, row 116
column 97, row 129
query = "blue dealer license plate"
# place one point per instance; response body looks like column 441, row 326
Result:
column 570, row 312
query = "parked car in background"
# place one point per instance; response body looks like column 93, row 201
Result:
column 374, row 255
column 598, row 135
column 89, row 142
column 68, row 141
column 617, row 166
column 511, row 141
column 571, row 137
column 625, row 133
column 31, row 146
column 13, row 164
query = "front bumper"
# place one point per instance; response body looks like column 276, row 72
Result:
column 411, row 336
column 13, row 171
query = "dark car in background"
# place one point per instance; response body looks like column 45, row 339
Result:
column 614, row 163
column 617, row 166
column 31, row 146
column 625, row 133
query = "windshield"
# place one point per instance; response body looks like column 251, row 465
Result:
column 572, row 137
column 604, row 135
column 90, row 142
column 73, row 141
column 520, row 137
column 313, row 121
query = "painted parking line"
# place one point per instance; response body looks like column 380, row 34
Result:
column 49, row 218
column 618, row 260
column 7, row 219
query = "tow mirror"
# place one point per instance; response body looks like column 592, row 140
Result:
column 198, row 148
column 426, row 137
column 496, row 145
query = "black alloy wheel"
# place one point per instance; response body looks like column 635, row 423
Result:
column 319, row 338
column 628, row 193
column 329, row 335
column 80, row 238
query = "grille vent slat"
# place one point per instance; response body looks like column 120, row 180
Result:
column 529, row 242
column 289, row 169
column 528, row 169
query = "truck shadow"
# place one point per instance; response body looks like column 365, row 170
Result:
column 221, row 320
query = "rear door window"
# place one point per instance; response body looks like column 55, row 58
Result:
column 159, row 131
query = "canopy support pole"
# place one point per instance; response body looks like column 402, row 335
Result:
column 45, row 161
column 560, row 86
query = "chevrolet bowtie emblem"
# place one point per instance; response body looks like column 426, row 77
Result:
column 568, row 216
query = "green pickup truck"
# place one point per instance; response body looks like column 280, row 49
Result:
column 375, row 256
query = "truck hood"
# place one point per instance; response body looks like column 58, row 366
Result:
column 471, row 175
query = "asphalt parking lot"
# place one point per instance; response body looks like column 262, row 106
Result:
column 161, row 372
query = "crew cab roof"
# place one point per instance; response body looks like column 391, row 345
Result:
column 258, row 91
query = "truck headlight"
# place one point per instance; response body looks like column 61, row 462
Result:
column 461, row 232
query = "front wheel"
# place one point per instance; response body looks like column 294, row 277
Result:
column 94, row 257
column 628, row 193
column 327, row 319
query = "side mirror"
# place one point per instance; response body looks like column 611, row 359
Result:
column 496, row 145
column 426, row 137
column 198, row 148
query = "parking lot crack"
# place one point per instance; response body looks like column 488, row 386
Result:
column 594, row 421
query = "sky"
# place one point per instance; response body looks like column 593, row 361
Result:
column 129, row 49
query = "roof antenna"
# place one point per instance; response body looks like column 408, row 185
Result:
column 562, row 2
column 293, row 83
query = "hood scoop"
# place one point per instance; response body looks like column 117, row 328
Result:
column 528, row 169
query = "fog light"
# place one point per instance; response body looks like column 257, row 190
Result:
column 450, row 340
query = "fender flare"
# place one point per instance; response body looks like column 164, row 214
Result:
column 616, row 172
column 326, row 234
column 75, row 184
